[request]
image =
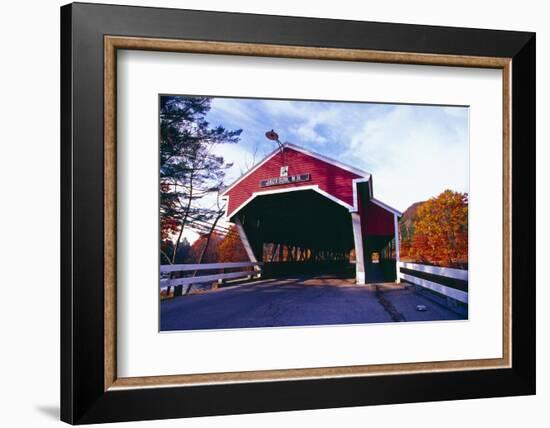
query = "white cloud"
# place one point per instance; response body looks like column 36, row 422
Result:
column 413, row 152
column 458, row 112
column 307, row 133
column 239, row 156
column 412, row 156
column 234, row 111
column 282, row 108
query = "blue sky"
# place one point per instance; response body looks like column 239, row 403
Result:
column 413, row 152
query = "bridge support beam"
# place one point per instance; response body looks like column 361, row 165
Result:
column 246, row 242
column 359, row 254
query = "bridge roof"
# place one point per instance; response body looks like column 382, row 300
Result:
column 343, row 184
column 307, row 170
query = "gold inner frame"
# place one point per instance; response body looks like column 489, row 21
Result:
column 113, row 43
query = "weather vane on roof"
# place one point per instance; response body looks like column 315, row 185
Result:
column 273, row 136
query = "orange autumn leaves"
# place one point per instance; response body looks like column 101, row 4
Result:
column 231, row 248
column 437, row 233
column 222, row 248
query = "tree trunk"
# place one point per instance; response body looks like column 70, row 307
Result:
column 184, row 220
column 203, row 252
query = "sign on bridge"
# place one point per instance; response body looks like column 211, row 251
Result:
column 285, row 180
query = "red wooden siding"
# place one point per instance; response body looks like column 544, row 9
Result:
column 376, row 221
column 330, row 178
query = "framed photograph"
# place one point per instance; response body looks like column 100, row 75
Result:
column 266, row 213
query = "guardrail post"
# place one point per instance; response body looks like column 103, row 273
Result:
column 397, row 246
column 220, row 280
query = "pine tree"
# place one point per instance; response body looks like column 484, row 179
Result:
column 188, row 169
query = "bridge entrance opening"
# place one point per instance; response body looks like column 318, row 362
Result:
column 299, row 232
column 299, row 212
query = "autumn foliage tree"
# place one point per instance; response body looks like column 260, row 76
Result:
column 205, row 249
column 438, row 231
column 231, row 249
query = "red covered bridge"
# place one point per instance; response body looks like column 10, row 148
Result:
column 297, row 209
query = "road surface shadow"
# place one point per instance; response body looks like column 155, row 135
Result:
column 298, row 301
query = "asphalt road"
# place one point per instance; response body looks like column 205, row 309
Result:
column 297, row 302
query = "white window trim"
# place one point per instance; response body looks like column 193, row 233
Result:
column 315, row 188
column 326, row 159
column 365, row 177
column 386, row 207
column 354, row 184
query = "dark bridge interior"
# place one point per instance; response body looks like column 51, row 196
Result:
column 305, row 232
column 299, row 231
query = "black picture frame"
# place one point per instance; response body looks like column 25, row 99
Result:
column 83, row 398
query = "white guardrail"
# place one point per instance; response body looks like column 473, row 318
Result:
column 197, row 279
column 453, row 293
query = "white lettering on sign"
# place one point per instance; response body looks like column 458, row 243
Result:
column 285, row 180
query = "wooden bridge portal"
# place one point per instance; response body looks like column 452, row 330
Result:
column 297, row 209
